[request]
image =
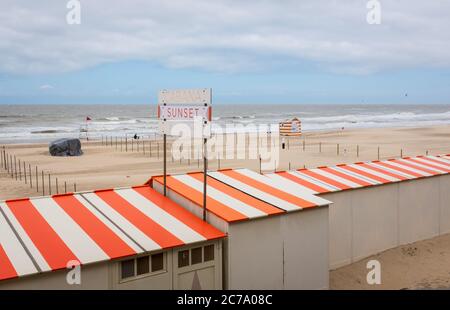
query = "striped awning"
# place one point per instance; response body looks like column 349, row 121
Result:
column 363, row 174
column 241, row 194
column 46, row 233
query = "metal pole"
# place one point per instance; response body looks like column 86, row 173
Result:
column 165, row 164
column 205, row 171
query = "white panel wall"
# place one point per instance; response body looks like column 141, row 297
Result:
column 419, row 210
column 306, row 249
column 287, row 251
column 444, row 201
column 367, row 221
column 255, row 254
column 374, row 220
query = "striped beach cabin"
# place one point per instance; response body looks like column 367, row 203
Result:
column 291, row 128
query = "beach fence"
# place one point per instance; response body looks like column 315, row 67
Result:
column 303, row 149
column 42, row 181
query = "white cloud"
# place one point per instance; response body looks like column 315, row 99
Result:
column 46, row 87
column 224, row 36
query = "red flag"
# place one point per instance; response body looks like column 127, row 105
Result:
column 88, row 118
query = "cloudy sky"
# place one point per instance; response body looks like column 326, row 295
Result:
column 300, row 51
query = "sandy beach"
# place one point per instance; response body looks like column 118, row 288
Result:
column 424, row 264
column 106, row 166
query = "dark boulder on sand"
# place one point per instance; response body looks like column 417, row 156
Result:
column 65, row 147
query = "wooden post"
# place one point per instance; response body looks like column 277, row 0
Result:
column 320, row 147
column 357, row 150
column 25, row 172
column 143, row 146
column 260, row 166
column 31, row 177
column 37, row 180
column 126, row 144
column 218, row 161
column 132, row 144
column 57, row 187
column 426, row 152
column 121, row 145
column 65, row 187
column 289, row 165
column 401, row 153
column 15, row 167
column 116, row 143
column 378, row 156
column 74, row 187
column 12, row 169
column 337, row 149
column 20, row 171
column 49, row 184
column 43, row 183
column 303, row 145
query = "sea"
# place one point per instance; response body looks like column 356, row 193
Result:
column 44, row 123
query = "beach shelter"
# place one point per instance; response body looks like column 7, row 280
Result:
column 378, row 205
column 127, row 238
column 292, row 127
column 277, row 236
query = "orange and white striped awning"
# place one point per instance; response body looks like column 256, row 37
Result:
column 241, row 194
column 350, row 176
column 46, row 233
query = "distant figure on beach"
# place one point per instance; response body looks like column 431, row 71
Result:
column 135, row 136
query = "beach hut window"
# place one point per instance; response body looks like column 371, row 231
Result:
column 208, row 252
column 157, row 262
column 127, row 268
column 196, row 255
column 143, row 265
column 183, row 258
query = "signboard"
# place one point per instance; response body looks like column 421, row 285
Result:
column 187, row 105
